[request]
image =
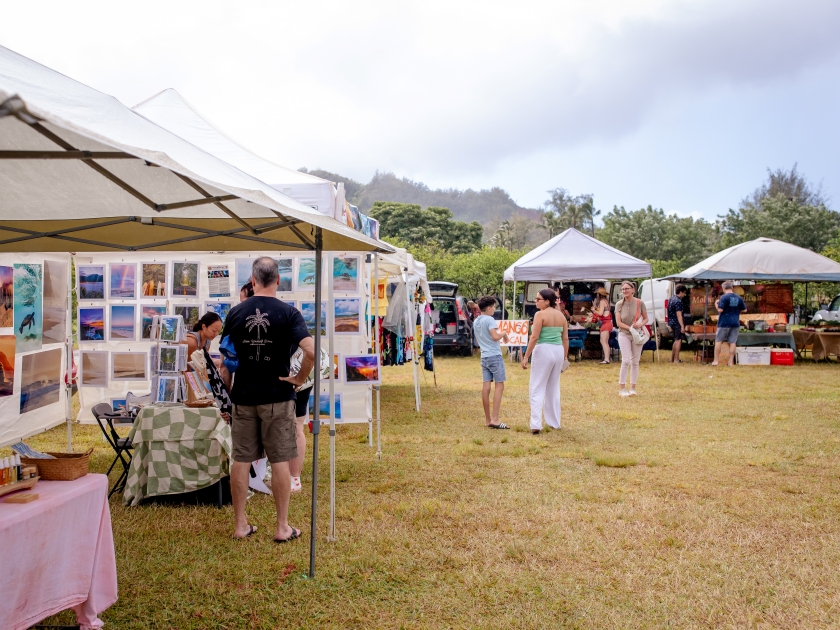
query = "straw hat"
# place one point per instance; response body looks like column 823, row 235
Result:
column 601, row 291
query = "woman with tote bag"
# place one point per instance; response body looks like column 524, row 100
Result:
column 631, row 317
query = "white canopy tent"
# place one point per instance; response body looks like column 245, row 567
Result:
column 764, row 259
column 81, row 172
column 170, row 110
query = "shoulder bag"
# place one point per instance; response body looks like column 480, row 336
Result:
column 640, row 335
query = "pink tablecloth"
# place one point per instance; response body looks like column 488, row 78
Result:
column 57, row 553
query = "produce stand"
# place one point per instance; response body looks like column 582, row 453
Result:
column 822, row 343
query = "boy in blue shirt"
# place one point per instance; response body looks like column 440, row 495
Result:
column 729, row 307
column 486, row 331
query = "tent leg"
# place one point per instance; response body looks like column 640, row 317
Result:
column 655, row 331
column 316, row 387
column 378, row 353
column 705, row 323
column 68, row 360
column 331, row 345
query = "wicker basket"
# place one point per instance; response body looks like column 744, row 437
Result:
column 65, row 466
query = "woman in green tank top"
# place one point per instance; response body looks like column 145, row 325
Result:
column 549, row 346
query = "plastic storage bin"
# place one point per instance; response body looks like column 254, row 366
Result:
column 781, row 356
column 753, row 356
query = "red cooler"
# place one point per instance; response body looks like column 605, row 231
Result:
column 781, row 356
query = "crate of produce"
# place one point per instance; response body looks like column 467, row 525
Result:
column 781, row 356
column 753, row 356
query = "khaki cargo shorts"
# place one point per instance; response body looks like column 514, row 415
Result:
column 264, row 428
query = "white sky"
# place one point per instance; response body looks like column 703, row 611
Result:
column 681, row 104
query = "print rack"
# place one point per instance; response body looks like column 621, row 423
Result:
column 169, row 359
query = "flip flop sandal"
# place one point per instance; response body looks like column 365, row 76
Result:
column 501, row 425
column 535, row 431
column 252, row 530
column 295, row 534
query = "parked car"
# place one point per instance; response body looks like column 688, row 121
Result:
column 830, row 314
column 453, row 329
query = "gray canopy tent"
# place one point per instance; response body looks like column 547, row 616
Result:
column 81, row 172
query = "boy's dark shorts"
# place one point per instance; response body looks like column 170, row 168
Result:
column 264, row 428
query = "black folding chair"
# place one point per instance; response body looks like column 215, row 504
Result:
column 107, row 418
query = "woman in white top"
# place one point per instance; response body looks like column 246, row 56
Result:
column 630, row 312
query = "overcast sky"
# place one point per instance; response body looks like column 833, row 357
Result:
column 678, row 104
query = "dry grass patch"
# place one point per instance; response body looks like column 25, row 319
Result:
column 463, row 527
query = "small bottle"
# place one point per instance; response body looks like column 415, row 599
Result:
column 19, row 467
column 10, row 468
column 3, row 471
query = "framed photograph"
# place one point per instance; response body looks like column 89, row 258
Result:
column 122, row 324
column 307, row 309
column 7, row 363
column 324, row 407
column 55, row 301
column 243, row 272
column 7, row 296
column 345, row 274
column 220, row 308
column 29, row 294
column 91, row 323
column 40, row 382
column 170, row 328
column 218, row 281
column 306, row 273
column 122, row 281
column 118, row 404
column 361, row 369
column 167, row 389
column 184, row 279
column 91, row 282
column 129, row 366
column 147, row 315
column 171, row 358
column 190, row 313
column 347, row 316
column 94, row 369
column 153, row 279
column 286, row 269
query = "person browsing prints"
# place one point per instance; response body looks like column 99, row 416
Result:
column 549, row 345
column 676, row 320
column 203, row 333
column 630, row 312
column 729, row 306
column 487, row 335
column 264, row 331
column 601, row 312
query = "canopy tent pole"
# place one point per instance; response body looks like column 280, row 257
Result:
column 378, row 353
column 316, row 387
column 68, row 360
column 317, row 396
column 705, row 323
column 369, row 335
column 806, row 303
column 655, row 332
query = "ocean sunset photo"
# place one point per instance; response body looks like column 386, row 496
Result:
column 122, row 322
column 92, row 324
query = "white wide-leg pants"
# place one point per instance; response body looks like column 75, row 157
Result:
column 631, row 354
column 546, row 363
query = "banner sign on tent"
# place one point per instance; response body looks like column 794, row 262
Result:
column 759, row 298
column 517, row 331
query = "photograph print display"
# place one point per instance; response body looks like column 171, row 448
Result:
column 118, row 404
column 40, row 383
column 347, row 315
column 185, row 279
column 346, row 274
column 167, row 389
column 285, row 269
column 54, row 315
column 243, row 272
column 94, row 368
column 122, row 323
column 220, row 308
column 306, row 273
column 147, row 315
column 190, row 313
column 122, row 281
column 361, row 369
column 153, row 279
column 7, row 365
column 307, row 309
column 169, row 358
column 7, row 296
column 91, row 282
column 324, row 407
column 91, row 323
column 129, row 366
column 28, row 290
column 170, row 327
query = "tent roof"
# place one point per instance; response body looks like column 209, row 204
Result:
column 79, row 172
column 573, row 255
column 764, row 259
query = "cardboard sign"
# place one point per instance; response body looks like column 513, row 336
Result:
column 759, row 298
column 517, row 331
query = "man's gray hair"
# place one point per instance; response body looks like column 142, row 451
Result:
column 727, row 286
column 265, row 271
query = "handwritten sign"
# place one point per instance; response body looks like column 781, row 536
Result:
column 517, row 331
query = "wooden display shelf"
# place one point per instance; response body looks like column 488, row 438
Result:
column 27, row 484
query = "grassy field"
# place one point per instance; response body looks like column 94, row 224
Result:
column 708, row 501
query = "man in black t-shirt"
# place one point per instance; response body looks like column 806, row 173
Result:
column 264, row 332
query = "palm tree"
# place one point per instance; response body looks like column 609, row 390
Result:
column 259, row 320
column 552, row 222
column 502, row 237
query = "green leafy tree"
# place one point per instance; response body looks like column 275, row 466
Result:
column 433, row 227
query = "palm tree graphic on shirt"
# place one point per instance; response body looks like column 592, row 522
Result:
column 258, row 321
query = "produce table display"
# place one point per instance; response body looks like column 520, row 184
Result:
column 177, row 449
column 752, row 339
column 822, row 343
column 58, row 553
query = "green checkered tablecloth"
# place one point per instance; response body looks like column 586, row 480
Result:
column 176, row 449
